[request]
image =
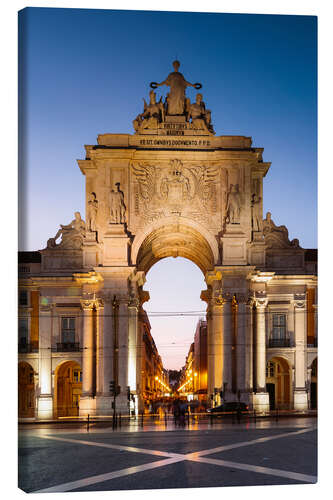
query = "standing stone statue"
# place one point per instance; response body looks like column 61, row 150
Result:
column 117, row 206
column 176, row 96
column 92, row 212
column 233, row 205
column 256, row 215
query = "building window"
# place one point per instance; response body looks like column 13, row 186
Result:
column 23, row 331
column 23, row 298
column 279, row 326
column 270, row 369
column 68, row 330
column 77, row 376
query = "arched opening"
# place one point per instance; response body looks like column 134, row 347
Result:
column 197, row 253
column 278, row 383
column 175, row 237
column 26, row 391
column 174, row 311
column 68, row 389
column 314, row 388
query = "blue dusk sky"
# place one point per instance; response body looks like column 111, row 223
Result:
column 84, row 72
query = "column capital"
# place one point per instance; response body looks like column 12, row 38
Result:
column 133, row 301
column 87, row 305
column 260, row 299
column 45, row 308
column 99, row 303
column 299, row 300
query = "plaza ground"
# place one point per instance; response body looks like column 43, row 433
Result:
column 59, row 458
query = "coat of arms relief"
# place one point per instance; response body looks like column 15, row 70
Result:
column 189, row 190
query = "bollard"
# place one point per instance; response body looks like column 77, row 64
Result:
column 255, row 416
column 88, row 423
column 119, row 417
column 277, row 415
column 142, row 419
column 165, row 419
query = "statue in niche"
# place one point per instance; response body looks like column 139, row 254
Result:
column 152, row 115
column 256, row 213
column 233, row 205
column 277, row 236
column 71, row 234
column 117, row 206
column 178, row 84
column 201, row 118
column 92, row 210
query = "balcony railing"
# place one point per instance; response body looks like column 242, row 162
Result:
column 67, row 347
column 24, row 347
column 284, row 342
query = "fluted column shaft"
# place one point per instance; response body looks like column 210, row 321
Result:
column 300, row 342
column 260, row 347
column 87, row 353
column 132, row 342
column 123, row 345
column 227, row 341
column 108, row 345
column 45, row 334
column 241, row 347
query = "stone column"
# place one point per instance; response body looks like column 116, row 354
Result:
column 133, row 307
column 300, row 394
column 261, row 397
column 249, row 349
column 123, row 354
column 241, row 347
column 45, row 398
column 214, row 343
column 99, row 304
column 227, row 342
column 87, row 401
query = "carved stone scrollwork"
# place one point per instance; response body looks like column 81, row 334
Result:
column 99, row 303
column 45, row 308
column 299, row 300
column 175, row 187
column 218, row 300
column 241, row 298
column 227, row 296
column 260, row 299
column 87, row 304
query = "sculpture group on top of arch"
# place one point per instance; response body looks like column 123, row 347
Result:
column 175, row 104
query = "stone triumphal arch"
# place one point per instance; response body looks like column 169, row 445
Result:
column 173, row 188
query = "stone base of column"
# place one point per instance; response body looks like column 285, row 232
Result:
column 104, row 405
column 45, row 407
column 87, row 406
column 260, row 402
column 122, row 404
column 300, row 400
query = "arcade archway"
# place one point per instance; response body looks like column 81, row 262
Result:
column 278, row 383
column 26, row 391
column 68, row 389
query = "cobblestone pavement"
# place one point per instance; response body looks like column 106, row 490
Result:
column 60, row 458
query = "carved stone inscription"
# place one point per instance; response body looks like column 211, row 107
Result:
column 175, row 189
